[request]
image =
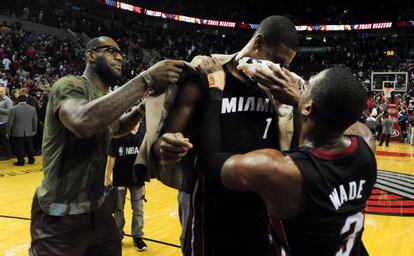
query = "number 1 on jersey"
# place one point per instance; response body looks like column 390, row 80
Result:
column 269, row 121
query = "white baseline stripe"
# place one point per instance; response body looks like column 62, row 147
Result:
column 408, row 177
column 395, row 191
column 396, row 181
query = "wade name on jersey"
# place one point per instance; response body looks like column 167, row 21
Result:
column 246, row 104
column 347, row 192
column 127, row 151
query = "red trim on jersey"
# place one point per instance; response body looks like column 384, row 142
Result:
column 330, row 155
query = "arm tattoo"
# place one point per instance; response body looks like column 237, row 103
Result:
column 105, row 110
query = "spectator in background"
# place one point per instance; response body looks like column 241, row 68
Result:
column 371, row 123
column 32, row 101
column 21, row 127
column 30, row 53
column 15, row 93
column 386, row 130
column 2, row 51
column 374, row 112
column 411, row 105
column 6, row 63
column 410, row 120
column 44, row 85
column 402, row 122
column 43, row 104
column 123, row 153
column 5, row 106
column 3, row 81
column 379, row 124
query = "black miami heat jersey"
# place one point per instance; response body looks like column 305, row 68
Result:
column 236, row 223
column 336, row 187
column 247, row 117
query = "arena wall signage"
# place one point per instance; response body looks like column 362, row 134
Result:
column 396, row 131
column 231, row 24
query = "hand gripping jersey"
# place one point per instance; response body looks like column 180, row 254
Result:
column 336, row 187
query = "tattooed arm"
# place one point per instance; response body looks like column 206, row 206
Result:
column 84, row 118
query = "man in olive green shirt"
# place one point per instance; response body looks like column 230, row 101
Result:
column 67, row 213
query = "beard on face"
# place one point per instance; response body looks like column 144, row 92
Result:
column 104, row 70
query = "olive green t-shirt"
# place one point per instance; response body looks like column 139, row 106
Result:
column 74, row 168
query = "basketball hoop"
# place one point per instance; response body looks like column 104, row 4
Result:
column 388, row 91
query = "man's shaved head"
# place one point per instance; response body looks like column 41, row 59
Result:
column 100, row 41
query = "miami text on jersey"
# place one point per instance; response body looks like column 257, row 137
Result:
column 243, row 104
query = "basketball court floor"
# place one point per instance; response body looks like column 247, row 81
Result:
column 389, row 222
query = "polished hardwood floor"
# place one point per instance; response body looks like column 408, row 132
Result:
column 389, row 222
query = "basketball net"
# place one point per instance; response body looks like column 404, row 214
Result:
column 388, row 91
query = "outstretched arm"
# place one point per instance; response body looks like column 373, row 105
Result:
column 271, row 174
column 84, row 118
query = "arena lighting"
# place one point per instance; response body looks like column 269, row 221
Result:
column 243, row 25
